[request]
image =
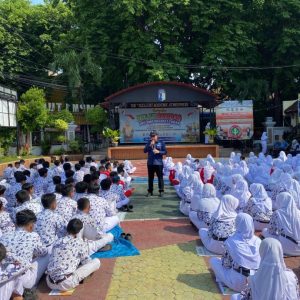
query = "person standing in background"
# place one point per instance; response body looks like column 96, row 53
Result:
column 156, row 149
column 263, row 141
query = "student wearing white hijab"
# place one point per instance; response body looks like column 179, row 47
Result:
column 290, row 185
column 189, row 159
column 178, row 175
column 188, row 192
column 263, row 142
column 168, row 165
column 272, row 281
column 259, row 206
column 186, row 172
column 241, row 257
column 273, row 187
column 241, row 192
column 210, row 159
column 203, row 206
column 222, row 225
column 285, row 224
column 282, row 156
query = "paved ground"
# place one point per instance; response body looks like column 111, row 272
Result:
column 168, row 267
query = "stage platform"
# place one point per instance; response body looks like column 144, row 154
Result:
column 175, row 151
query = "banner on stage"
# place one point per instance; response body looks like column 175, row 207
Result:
column 173, row 125
column 234, row 120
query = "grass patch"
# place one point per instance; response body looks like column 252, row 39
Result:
column 8, row 159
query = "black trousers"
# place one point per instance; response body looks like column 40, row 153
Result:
column 152, row 169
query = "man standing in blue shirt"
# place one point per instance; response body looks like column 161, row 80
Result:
column 155, row 149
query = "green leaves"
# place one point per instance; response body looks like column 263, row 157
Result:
column 32, row 113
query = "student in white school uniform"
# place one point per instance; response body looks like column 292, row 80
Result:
column 203, row 206
column 13, row 189
column 259, row 206
column 122, row 200
column 285, row 224
column 273, row 280
column 41, row 183
column 66, row 206
column 27, row 245
column 79, row 174
column 188, row 192
column 222, row 225
column 241, row 192
column 80, row 190
column 6, row 223
column 11, row 287
column 23, row 202
column 90, row 231
column 105, row 217
column 70, row 261
column 107, row 194
column 50, row 225
column 240, row 257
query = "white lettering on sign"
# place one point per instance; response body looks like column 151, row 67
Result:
column 75, row 108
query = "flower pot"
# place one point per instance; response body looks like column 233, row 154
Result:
column 114, row 144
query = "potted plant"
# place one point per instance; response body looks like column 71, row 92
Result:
column 112, row 135
column 211, row 132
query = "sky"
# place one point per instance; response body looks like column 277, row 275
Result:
column 37, row 1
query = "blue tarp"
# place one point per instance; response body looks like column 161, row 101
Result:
column 120, row 246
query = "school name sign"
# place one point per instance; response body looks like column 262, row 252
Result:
column 75, row 108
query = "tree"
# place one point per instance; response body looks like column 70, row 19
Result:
column 97, row 117
column 32, row 113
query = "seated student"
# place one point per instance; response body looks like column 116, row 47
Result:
column 102, row 213
column 83, row 167
column 295, row 147
column 57, row 169
column 122, row 200
column 50, row 225
column 67, row 161
column 66, row 167
column 94, row 164
column 115, row 165
column 29, row 187
column 108, row 168
column 285, row 224
column 13, row 189
column 290, row 185
column 259, row 206
column 93, row 169
column 11, row 287
column 89, row 231
column 58, row 192
column 33, row 173
column 27, row 245
column 66, row 206
column 79, row 174
column 8, row 173
column 41, row 183
column 87, row 178
column 203, row 206
column 128, row 167
column 23, row 202
column 241, row 192
column 222, row 225
column 70, row 260
column 2, row 198
column 124, row 176
column 273, row 280
column 17, row 167
column 52, row 185
column 107, row 194
column 103, row 173
column 241, row 255
column 70, row 181
column 80, row 190
column 6, row 223
column 188, row 192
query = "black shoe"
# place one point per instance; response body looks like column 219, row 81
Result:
column 161, row 194
column 149, row 194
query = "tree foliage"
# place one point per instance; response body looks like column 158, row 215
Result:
column 103, row 46
column 97, row 117
column 32, row 113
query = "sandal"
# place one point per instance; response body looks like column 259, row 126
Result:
column 123, row 235
column 128, row 237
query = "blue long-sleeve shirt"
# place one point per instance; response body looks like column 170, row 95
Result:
column 155, row 159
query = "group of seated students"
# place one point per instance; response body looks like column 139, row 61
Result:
column 227, row 201
column 52, row 219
